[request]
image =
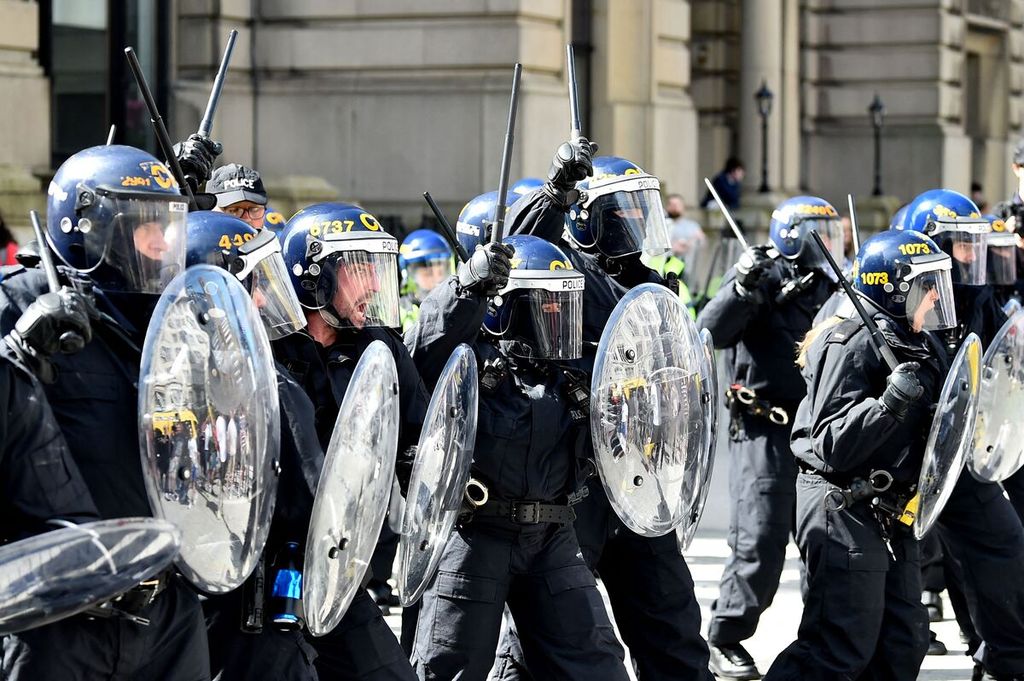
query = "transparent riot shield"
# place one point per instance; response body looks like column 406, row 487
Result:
column 998, row 450
column 647, row 415
column 439, row 474
column 951, row 435
column 209, row 425
column 710, row 401
column 352, row 496
column 51, row 576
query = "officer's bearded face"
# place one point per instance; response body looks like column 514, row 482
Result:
column 357, row 284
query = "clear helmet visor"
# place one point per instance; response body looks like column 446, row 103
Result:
column 141, row 236
column 930, row 305
column 358, row 289
column 423, row 277
column 275, row 298
column 967, row 244
column 628, row 222
column 1002, row 259
column 831, row 233
column 556, row 318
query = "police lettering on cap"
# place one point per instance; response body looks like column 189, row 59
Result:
column 234, row 183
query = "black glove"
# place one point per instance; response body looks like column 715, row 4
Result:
column 403, row 469
column 751, row 268
column 196, row 156
column 902, row 389
column 572, row 162
column 487, row 269
column 55, row 322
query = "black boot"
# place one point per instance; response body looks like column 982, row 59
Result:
column 732, row 661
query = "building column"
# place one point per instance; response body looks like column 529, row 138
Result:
column 25, row 111
column 762, row 60
column 788, row 104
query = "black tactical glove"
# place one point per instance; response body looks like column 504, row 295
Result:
column 196, row 156
column 902, row 389
column 55, row 322
column 487, row 269
column 403, row 469
column 573, row 161
column 751, row 268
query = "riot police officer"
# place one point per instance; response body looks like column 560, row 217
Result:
column 858, row 436
column 243, row 644
column 517, row 545
column 763, row 309
column 978, row 526
column 116, row 218
column 609, row 220
column 425, row 259
column 344, row 269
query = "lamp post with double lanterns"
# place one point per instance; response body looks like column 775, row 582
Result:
column 764, row 97
column 877, row 111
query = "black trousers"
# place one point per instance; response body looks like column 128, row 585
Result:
column 362, row 646
column 983, row 533
column 863, row 617
column 239, row 656
column 1014, row 486
column 173, row 647
column 651, row 593
column 539, row 572
column 762, row 492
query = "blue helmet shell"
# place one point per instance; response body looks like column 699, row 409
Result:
column 882, row 266
column 791, row 220
column 899, row 217
column 531, row 254
column 303, row 237
column 422, row 246
column 113, row 168
column 214, row 238
column 936, row 204
column 526, row 185
column 578, row 226
column 274, row 220
column 473, row 226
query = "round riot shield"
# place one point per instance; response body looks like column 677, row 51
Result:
column 701, row 481
column 352, row 495
column 646, row 413
column 54, row 575
column 998, row 450
column 951, row 435
column 209, row 425
column 439, row 474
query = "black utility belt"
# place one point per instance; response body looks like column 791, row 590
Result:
column 131, row 603
column 893, row 505
column 746, row 398
column 523, row 512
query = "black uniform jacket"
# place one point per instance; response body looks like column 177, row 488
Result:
column 38, row 478
column 526, row 443
column 841, row 428
column 765, row 334
column 95, row 396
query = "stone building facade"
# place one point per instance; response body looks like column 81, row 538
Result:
column 378, row 100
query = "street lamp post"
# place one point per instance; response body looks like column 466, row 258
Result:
column 764, row 96
column 877, row 111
